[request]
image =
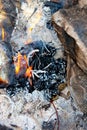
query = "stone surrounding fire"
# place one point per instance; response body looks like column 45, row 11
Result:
column 71, row 29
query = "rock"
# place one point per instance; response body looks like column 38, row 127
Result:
column 8, row 17
column 71, row 29
column 6, row 65
column 78, row 89
column 66, row 3
column 82, row 3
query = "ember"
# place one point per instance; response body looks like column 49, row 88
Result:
column 22, row 68
column 21, row 64
column 29, row 72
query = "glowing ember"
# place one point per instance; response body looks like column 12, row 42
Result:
column 3, row 81
column 29, row 72
column 21, row 66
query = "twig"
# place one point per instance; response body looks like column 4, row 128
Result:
column 30, row 16
column 48, row 66
column 38, row 60
column 50, row 117
column 30, row 54
column 33, row 51
column 32, row 13
column 33, row 73
column 45, row 47
column 36, row 72
column 40, row 71
column 56, row 115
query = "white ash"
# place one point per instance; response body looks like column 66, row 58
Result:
column 29, row 111
column 30, row 29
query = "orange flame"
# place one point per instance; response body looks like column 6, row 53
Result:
column 21, row 66
column 29, row 72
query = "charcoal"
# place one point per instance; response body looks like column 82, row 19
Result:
column 54, row 6
column 48, row 73
column 21, row 84
column 48, row 125
column 45, row 53
column 3, row 127
column 54, row 76
column 40, row 45
column 49, row 25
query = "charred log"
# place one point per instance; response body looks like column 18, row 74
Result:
column 3, row 127
column 55, row 5
column 7, row 18
column 6, row 64
column 7, row 22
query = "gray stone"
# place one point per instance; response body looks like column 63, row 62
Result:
column 71, row 27
column 82, row 3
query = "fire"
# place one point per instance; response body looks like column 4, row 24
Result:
column 21, row 66
column 29, row 72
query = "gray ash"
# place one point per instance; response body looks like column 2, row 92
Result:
column 48, row 73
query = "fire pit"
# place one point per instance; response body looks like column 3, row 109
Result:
column 36, row 68
column 34, row 96
column 34, row 60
